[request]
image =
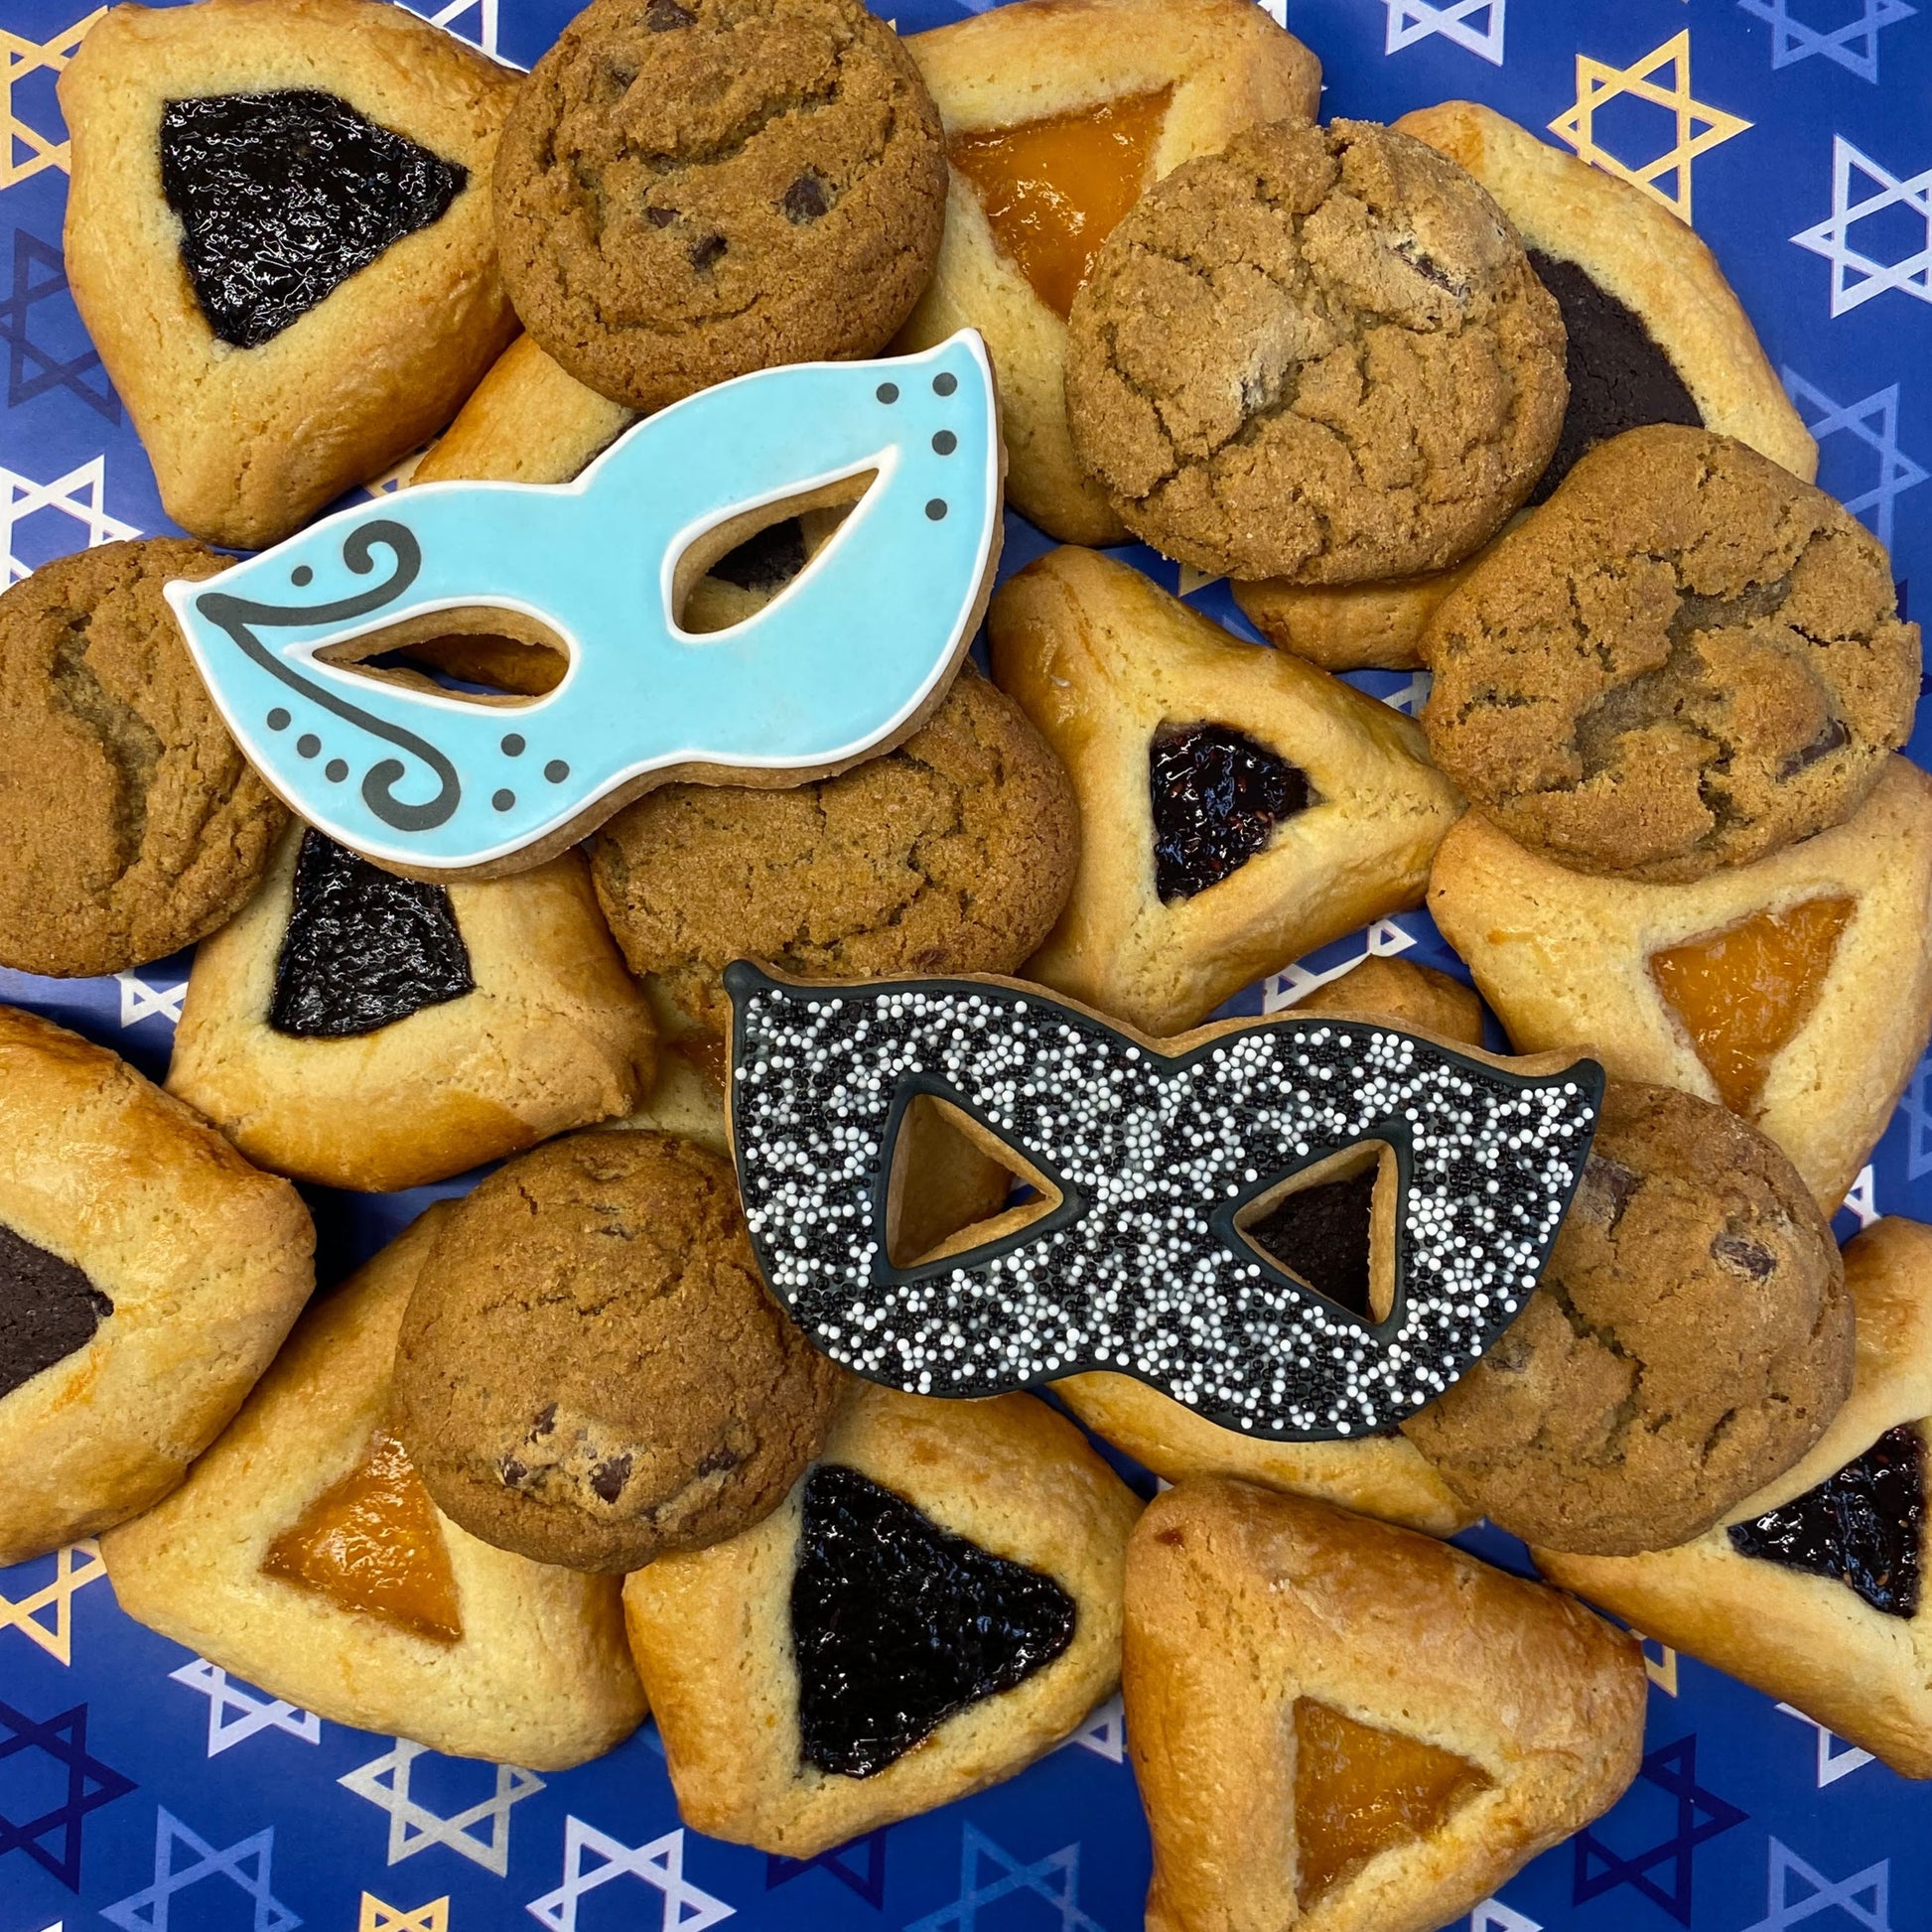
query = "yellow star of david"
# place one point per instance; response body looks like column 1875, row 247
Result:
column 74, row 1567
column 1660, row 1669
column 379, row 1917
column 19, row 58
column 1698, row 127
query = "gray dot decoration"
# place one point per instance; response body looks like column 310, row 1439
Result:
column 944, row 441
column 503, row 800
column 944, row 384
column 513, row 744
column 937, row 510
column 278, row 720
column 308, row 745
column 887, row 392
column 335, row 770
column 557, row 770
column 1140, row 1269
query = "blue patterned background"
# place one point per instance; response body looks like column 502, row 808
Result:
column 140, row 1787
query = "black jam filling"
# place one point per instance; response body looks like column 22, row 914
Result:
column 363, row 948
column 1216, row 796
column 1321, row 1234
column 896, row 1624
column 766, row 561
column 1620, row 377
column 48, row 1310
column 283, row 197
column 1864, row 1526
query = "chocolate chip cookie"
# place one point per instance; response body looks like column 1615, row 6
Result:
column 134, row 825
column 1690, row 1339
column 1321, row 355
column 953, row 853
column 590, row 1372
column 1685, row 659
column 688, row 190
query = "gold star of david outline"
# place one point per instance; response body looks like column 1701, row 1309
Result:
column 19, row 58
column 1700, row 127
column 379, row 1917
column 74, row 1567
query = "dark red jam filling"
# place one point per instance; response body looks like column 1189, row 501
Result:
column 1321, row 1234
column 363, row 948
column 48, row 1309
column 1864, row 1526
column 283, row 197
column 896, row 1624
column 1218, row 796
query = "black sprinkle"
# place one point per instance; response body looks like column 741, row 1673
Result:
column 48, row 1309
column 1216, row 797
column 1864, row 1526
column 283, row 197
column 897, row 1625
column 363, row 948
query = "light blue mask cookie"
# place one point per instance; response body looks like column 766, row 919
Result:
column 835, row 666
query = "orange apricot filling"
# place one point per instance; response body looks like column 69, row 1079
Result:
column 1743, row 994
column 1054, row 190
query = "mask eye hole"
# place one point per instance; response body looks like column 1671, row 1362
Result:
column 733, row 570
column 479, row 653
column 1332, row 1227
column 953, row 1186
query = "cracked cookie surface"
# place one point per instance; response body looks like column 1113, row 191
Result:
column 134, row 824
column 1322, row 356
column 689, row 189
column 953, row 853
column 1690, row 1339
column 1685, row 659
column 590, row 1372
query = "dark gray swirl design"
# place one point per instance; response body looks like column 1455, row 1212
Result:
column 241, row 616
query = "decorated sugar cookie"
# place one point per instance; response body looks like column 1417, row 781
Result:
column 1180, row 1191
column 846, row 662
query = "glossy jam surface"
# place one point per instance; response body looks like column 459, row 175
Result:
column 48, row 1309
column 363, row 948
column 1864, row 1526
column 373, row 1542
column 1619, row 377
column 1053, row 191
column 1216, row 796
column 896, row 1624
column 1359, row 1791
column 283, row 197
column 1321, row 1234
column 1744, row 993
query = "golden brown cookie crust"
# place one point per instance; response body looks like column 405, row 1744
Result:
column 206, row 1261
column 1685, row 659
column 590, row 1372
column 248, row 444
column 539, row 1676
column 1808, row 1640
column 1690, row 1339
column 1399, row 993
column 1323, row 355
column 135, row 825
column 1241, row 1603
column 688, row 191
column 1225, row 65
column 952, row 855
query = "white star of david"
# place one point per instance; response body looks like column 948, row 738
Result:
column 1831, row 237
column 1411, row 21
column 1492, row 1915
column 1872, row 421
column 480, row 31
column 1825, row 1894
column 76, row 494
column 1055, row 1878
column 1917, row 1107
column 140, row 1001
column 1832, row 1764
column 384, row 1782
column 1411, row 697
column 1104, row 1733
column 659, row 1864
column 1190, row 579
column 1384, row 939
column 74, row 1567
column 1861, row 1199
column 149, row 1910
column 256, row 1714
column 1854, row 46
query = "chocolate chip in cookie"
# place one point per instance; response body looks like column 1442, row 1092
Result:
column 1321, row 355
column 1690, row 1339
column 1685, row 659
column 134, row 826
column 590, row 1372
column 689, row 189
